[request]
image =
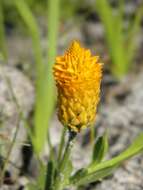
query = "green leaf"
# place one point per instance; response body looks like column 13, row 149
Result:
column 38, row 139
column 45, row 94
column 100, row 149
column 97, row 172
column 83, row 179
column 79, row 174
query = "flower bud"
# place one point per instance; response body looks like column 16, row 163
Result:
column 78, row 77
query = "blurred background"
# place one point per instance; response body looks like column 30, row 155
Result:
column 111, row 28
column 32, row 33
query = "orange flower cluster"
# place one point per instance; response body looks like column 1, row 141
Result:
column 78, row 77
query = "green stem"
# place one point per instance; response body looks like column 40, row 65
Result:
column 60, row 179
column 62, row 142
column 52, row 155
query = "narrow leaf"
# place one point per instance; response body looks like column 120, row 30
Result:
column 94, row 173
column 100, row 149
column 44, row 82
column 84, row 178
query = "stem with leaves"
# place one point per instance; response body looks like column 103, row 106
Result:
column 61, row 179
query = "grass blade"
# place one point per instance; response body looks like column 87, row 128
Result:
column 44, row 84
column 32, row 26
column 45, row 103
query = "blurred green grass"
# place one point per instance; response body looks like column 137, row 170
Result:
column 121, row 43
column 3, row 47
column 44, row 82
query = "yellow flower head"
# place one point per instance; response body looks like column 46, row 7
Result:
column 78, row 76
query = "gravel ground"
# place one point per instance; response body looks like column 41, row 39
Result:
column 23, row 91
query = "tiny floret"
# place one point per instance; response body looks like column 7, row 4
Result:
column 78, row 76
